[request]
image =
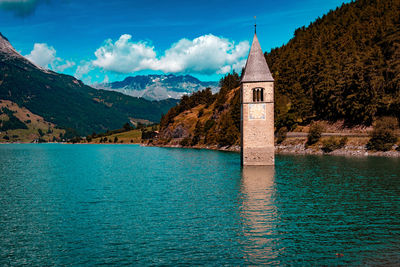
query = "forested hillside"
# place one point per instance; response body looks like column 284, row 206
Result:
column 65, row 101
column 204, row 118
column 345, row 65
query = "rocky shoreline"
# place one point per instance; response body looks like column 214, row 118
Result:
column 295, row 149
column 354, row 151
column 299, row 149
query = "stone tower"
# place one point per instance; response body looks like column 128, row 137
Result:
column 257, row 102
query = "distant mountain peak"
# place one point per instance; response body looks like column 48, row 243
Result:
column 6, row 47
column 3, row 37
column 158, row 86
column 8, row 52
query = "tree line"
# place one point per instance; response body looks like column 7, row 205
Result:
column 345, row 65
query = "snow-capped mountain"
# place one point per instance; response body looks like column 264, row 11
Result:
column 158, row 87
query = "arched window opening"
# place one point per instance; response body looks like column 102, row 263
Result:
column 258, row 94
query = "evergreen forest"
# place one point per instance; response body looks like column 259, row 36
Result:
column 343, row 66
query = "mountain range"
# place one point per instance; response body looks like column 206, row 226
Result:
column 67, row 102
column 158, row 87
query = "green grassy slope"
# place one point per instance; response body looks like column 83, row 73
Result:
column 26, row 127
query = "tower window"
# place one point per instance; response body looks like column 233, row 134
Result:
column 258, row 94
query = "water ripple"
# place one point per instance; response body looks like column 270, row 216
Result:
column 130, row 205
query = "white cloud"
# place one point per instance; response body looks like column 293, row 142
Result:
column 239, row 65
column 106, row 79
column 42, row 55
column 68, row 64
column 45, row 56
column 83, row 69
column 124, row 56
column 206, row 54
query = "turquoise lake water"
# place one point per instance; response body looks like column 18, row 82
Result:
column 130, row 205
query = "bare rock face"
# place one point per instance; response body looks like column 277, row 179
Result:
column 178, row 132
column 10, row 55
column 6, row 48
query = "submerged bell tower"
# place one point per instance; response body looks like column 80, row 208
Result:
column 257, row 108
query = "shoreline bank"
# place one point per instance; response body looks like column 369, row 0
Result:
column 295, row 149
column 351, row 151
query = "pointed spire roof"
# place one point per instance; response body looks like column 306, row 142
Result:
column 256, row 69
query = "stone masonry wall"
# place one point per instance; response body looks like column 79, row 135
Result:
column 258, row 134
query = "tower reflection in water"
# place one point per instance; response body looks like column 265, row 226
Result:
column 259, row 214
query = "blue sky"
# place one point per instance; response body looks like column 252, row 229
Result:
column 98, row 40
